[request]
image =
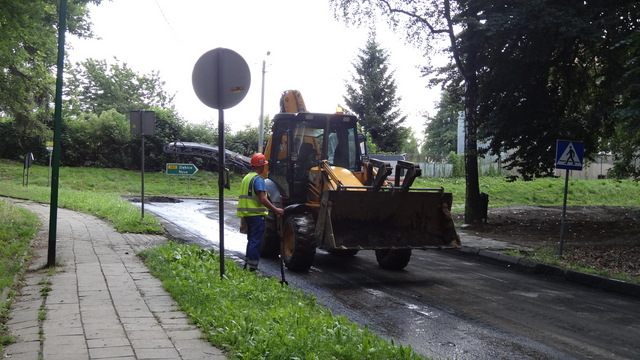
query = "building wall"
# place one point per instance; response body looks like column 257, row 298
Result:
column 593, row 170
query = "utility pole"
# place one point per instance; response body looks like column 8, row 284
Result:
column 261, row 120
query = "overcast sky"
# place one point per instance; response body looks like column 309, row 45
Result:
column 309, row 51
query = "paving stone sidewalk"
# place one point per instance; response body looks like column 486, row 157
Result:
column 102, row 302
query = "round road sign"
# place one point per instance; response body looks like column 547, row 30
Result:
column 221, row 78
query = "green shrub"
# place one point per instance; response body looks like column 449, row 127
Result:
column 458, row 165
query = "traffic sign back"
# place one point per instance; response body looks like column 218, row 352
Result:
column 221, row 78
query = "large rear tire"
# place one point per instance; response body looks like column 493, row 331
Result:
column 393, row 259
column 298, row 245
column 270, row 247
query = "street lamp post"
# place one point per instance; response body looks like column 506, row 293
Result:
column 261, row 120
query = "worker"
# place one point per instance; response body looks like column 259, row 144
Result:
column 253, row 205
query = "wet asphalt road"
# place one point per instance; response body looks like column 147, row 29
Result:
column 445, row 304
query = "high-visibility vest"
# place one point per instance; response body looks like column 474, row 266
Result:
column 249, row 204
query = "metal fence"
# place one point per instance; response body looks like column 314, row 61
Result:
column 485, row 168
column 436, row 170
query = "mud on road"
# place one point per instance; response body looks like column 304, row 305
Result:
column 599, row 237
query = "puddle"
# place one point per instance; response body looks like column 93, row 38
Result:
column 199, row 217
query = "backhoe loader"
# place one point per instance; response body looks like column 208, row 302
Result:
column 338, row 199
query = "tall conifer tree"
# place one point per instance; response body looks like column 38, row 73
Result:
column 371, row 95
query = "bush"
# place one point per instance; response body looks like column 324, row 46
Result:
column 458, row 165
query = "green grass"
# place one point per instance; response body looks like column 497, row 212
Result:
column 120, row 213
column 544, row 191
column 578, row 262
column 541, row 192
column 246, row 314
column 255, row 317
column 17, row 228
column 121, row 182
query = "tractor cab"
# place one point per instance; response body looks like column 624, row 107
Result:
column 299, row 143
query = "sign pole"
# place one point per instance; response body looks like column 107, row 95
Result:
column 57, row 136
column 142, row 122
column 221, row 187
column 569, row 156
column 49, row 170
column 221, row 79
column 564, row 212
column 142, row 164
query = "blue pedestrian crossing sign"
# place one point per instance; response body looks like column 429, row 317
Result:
column 569, row 155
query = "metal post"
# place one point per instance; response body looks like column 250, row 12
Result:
column 57, row 130
column 142, row 163
column 261, row 120
column 49, row 171
column 27, row 166
column 564, row 213
column 221, row 157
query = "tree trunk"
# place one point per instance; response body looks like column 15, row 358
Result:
column 472, row 213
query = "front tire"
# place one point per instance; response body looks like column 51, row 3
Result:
column 298, row 244
column 393, row 259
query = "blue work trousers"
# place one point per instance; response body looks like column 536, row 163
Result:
column 255, row 234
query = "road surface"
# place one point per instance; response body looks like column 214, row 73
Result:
column 445, row 304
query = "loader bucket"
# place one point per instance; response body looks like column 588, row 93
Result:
column 386, row 220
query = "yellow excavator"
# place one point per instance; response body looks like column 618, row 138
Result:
column 338, row 199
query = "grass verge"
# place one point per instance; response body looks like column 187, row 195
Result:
column 120, row 213
column 255, row 317
column 122, row 182
column 543, row 191
column 586, row 261
column 17, row 228
column 252, row 316
column 539, row 192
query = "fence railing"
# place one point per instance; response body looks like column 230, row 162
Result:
column 436, row 170
column 446, row 170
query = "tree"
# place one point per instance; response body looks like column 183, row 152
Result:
column 93, row 86
column 411, row 148
column 16, row 142
column 101, row 96
column 424, row 22
column 206, row 133
column 98, row 141
column 169, row 127
column 441, row 131
column 28, row 54
column 533, row 71
column 244, row 142
column 555, row 76
column 372, row 97
column 625, row 142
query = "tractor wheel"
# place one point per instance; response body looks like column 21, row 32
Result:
column 393, row 259
column 270, row 247
column 298, row 244
column 343, row 253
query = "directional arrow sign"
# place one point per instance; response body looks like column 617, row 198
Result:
column 181, row 169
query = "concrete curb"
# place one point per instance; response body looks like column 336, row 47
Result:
column 533, row 267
